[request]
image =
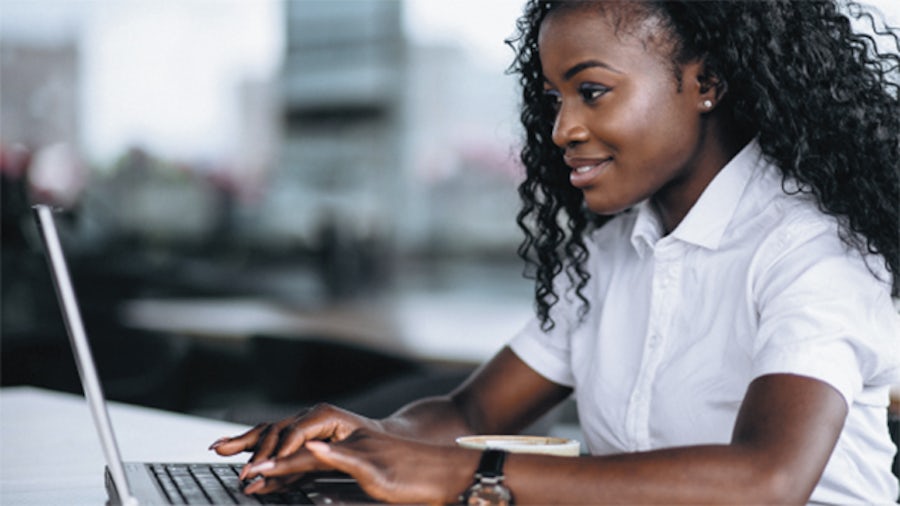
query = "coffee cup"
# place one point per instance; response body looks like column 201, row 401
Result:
column 546, row 445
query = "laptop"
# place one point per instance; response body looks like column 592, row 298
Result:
column 141, row 483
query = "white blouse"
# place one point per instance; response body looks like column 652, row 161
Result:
column 753, row 281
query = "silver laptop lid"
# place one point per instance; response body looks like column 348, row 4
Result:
column 84, row 360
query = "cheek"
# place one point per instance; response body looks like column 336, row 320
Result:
column 661, row 131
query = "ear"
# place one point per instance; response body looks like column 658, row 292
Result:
column 711, row 88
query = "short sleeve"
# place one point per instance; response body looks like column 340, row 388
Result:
column 545, row 352
column 824, row 313
column 549, row 352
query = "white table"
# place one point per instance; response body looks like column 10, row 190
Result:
column 50, row 453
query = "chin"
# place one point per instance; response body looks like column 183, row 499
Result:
column 606, row 208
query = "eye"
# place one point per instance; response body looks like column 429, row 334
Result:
column 552, row 99
column 591, row 92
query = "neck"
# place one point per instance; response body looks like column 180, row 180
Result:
column 719, row 143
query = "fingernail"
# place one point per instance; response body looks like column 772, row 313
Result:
column 218, row 442
column 254, row 487
column 318, row 446
column 261, row 467
column 244, row 471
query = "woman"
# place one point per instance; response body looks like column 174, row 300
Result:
column 718, row 299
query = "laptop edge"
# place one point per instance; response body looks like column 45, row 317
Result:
column 128, row 481
column 84, row 360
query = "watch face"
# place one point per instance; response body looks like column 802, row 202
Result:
column 485, row 494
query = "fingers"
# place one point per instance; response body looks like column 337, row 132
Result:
column 270, row 485
column 367, row 456
column 315, row 456
column 293, row 437
column 276, row 473
column 288, row 436
column 269, row 441
column 334, row 459
column 297, row 463
column 245, row 442
column 278, row 448
column 263, row 439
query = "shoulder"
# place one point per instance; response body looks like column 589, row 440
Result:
column 800, row 238
column 823, row 308
column 803, row 270
column 796, row 222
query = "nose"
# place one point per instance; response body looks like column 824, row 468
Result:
column 568, row 127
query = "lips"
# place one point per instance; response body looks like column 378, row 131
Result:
column 584, row 171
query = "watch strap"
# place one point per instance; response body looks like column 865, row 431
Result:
column 488, row 488
column 491, row 464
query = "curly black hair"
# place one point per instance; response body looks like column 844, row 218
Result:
column 823, row 101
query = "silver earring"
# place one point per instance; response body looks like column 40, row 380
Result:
column 707, row 103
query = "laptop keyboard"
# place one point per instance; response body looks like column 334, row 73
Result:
column 213, row 484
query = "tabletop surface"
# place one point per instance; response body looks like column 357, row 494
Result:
column 50, row 452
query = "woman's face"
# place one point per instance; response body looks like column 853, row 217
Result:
column 626, row 130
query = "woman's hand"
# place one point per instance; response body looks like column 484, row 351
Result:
column 387, row 467
column 286, row 437
column 390, row 457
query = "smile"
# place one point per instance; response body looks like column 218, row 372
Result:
column 583, row 175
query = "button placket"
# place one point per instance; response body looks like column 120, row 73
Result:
column 663, row 303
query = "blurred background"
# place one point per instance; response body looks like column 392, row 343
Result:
column 264, row 203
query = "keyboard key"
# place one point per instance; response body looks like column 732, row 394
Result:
column 214, row 484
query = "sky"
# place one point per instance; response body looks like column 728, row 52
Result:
column 156, row 76
column 480, row 26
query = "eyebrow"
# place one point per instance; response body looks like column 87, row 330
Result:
column 569, row 74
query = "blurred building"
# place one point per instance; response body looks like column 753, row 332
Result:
column 365, row 140
column 39, row 93
column 342, row 86
column 379, row 134
column 460, row 134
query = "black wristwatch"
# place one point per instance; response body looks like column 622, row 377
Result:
column 488, row 488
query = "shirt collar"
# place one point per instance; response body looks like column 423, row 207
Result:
column 647, row 229
column 707, row 220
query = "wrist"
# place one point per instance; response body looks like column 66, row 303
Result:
column 488, row 486
column 458, row 478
